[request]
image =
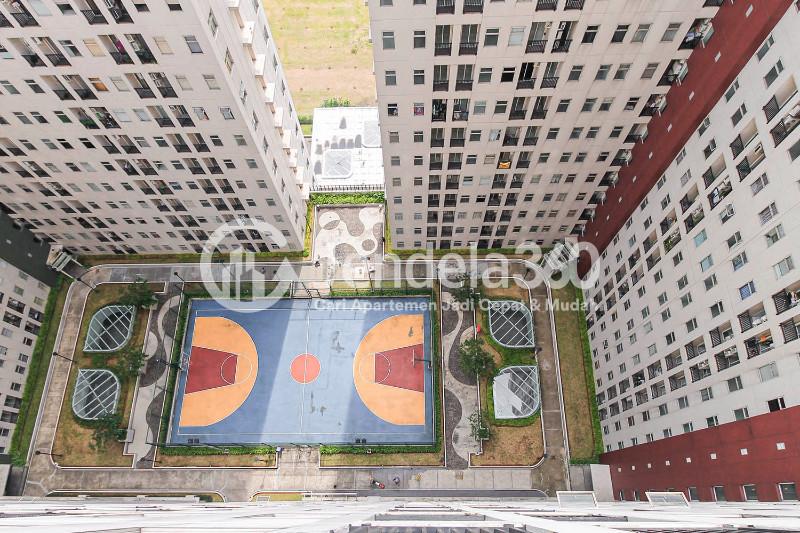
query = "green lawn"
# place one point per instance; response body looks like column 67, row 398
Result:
column 325, row 50
column 577, row 379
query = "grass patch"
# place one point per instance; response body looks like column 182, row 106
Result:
column 381, row 459
column 356, row 198
column 37, row 371
column 73, row 435
column 325, row 50
column 577, row 378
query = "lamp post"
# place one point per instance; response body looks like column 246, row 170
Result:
column 80, row 278
column 179, row 277
column 40, row 452
column 63, row 357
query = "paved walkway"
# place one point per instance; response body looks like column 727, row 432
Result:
column 298, row 467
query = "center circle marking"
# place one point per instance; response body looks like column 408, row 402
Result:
column 305, row 368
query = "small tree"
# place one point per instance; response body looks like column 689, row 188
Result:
column 138, row 294
column 106, row 429
column 336, row 101
column 129, row 363
column 478, row 430
column 474, row 359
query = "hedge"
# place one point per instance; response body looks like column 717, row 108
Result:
column 356, row 198
column 37, row 375
column 587, row 367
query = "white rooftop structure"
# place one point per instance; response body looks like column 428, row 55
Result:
column 346, row 149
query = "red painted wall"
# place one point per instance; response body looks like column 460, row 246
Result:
column 764, row 465
column 736, row 39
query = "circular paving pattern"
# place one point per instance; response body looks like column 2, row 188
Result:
column 305, row 368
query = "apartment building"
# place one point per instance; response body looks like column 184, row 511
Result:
column 140, row 126
column 25, row 282
column 504, row 121
column 695, row 321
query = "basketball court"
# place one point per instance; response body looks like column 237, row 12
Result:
column 306, row 371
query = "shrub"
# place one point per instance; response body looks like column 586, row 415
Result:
column 478, row 430
column 105, row 430
column 336, row 101
column 138, row 294
column 129, row 363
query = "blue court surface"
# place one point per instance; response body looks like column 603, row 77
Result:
column 306, row 371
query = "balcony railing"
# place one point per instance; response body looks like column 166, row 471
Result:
column 202, row 147
column 444, row 7
column 562, row 45
column 58, row 60
column 34, row 60
column 463, row 85
column 530, row 141
column 441, row 85
column 145, row 56
column 94, row 17
column 130, row 148
column 182, row 148
column 442, row 49
column 785, row 127
column 457, row 142
column 546, row 5
column 185, row 121
column 121, row 58
column 573, row 4
column 24, row 19
column 4, row 22
column 215, row 169
column 167, row 92
column 85, row 94
column 460, row 115
column 529, row 83
column 63, row 94
column 164, row 122
column 437, row 142
column 718, row 194
column 120, row 15
column 539, row 113
column 536, row 46
column 510, row 141
column 468, row 48
column 517, row 114
column 144, row 92
column 549, row 82
column 473, row 6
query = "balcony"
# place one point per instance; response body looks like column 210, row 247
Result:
column 58, row 60
column 713, row 3
column 727, row 358
column 120, row 14
column 63, row 94
column 186, row 121
column 215, row 169
column 94, row 17
column 701, row 31
column 620, row 161
column 146, row 57
column 182, row 148
column 633, row 138
column 463, row 85
column 445, row 7
column 468, row 48
column 752, row 318
column 719, row 193
column 530, row 141
column 129, row 170
column 538, row 113
column 536, row 46
column 510, row 141
column 549, row 82
column 201, row 147
column 528, row 83
column 759, row 344
column 110, row 149
column 573, row 4
column 779, row 101
column 672, row 240
column 442, row 49
column 164, row 122
column 34, row 60
column 786, row 126
column 546, row 5
column 710, row 176
column 750, row 162
column 688, row 199
column 788, row 298
column 562, row 45
column 144, row 92
column 517, row 114
column 700, row 371
column 441, row 85
column 694, row 218
column 435, row 165
column 24, row 19
column 196, row 170
column 454, row 165
column 790, row 330
column 148, row 171
column 439, row 116
column 437, row 142
column 457, row 142
column 4, row 22
column 473, row 6
column 130, row 148
column 460, row 116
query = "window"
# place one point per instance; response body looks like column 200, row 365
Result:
column 747, row 290
column 719, row 493
column 388, row 40
column 419, row 77
column 194, row 46
column 619, row 33
column 419, row 39
column 390, row 77
column 788, row 491
column 765, row 48
column 641, row 33
column 590, row 34
column 649, row 71
column 735, row 384
column 212, row 23
column 575, row 73
column 773, row 73
column 516, row 36
column 492, row 37
column 706, row 263
column 602, row 72
column 768, row 372
column 706, row 394
column 741, row 413
column 739, row 261
column 671, row 32
column 622, row 71
column 783, row 267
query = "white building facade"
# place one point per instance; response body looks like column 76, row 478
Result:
column 504, row 121
column 696, row 317
column 143, row 126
